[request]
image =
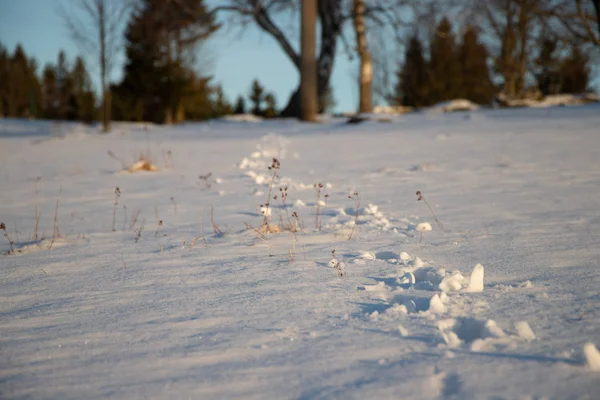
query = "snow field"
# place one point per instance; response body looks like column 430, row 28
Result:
column 188, row 312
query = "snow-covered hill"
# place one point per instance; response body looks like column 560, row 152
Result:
column 497, row 300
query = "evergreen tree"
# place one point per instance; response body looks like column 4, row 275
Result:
column 444, row 68
column 221, row 105
column 50, row 93
column 256, row 97
column 270, row 106
column 412, row 88
column 65, row 87
column 82, row 98
column 475, row 75
column 159, row 82
column 575, row 72
column 240, row 106
column 548, row 65
column 21, row 88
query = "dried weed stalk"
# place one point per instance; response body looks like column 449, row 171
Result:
column 318, row 187
column 37, row 210
column 116, row 203
column 10, row 242
column 356, row 199
column 420, row 197
column 55, row 232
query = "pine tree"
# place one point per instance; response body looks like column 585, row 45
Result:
column 256, row 97
column 575, row 72
column 65, row 87
column 270, row 106
column 240, row 106
column 50, row 93
column 475, row 75
column 412, row 88
column 21, row 88
column 159, row 82
column 4, row 77
column 82, row 97
column 444, row 69
column 221, row 105
column 548, row 64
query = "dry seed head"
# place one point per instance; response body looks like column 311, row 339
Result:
column 419, row 195
column 2, row 226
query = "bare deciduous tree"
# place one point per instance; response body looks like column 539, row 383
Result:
column 96, row 27
column 264, row 14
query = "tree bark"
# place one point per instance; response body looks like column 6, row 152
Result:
column 308, row 62
column 330, row 15
column 366, row 63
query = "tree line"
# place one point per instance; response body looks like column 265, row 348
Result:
column 508, row 47
column 454, row 69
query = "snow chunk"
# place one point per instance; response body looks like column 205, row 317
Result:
column 404, row 258
column 451, row 283
column 436, row 306
column 592, row 356
column 476, row 281
column 524, row 331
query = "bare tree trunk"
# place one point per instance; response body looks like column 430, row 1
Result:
column 524, row 35
column 366, row 62
column 308, row 62
column 597, row 7
column 101, row 10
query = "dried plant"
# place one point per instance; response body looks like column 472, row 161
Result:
column 420, row 197
column 174, row 203
column 318, row 187
column 138, row 231
column 168, row 159
column 216, row 229
column 55, row 232
column 338, row 265
column 10, row 242
column 158, row 228
column 134, row 219
column 265, row 209
column 37, row 210
column 356, row 199
column 116, row 203
column 205, row 179
column 124, row 217
column 201, row 236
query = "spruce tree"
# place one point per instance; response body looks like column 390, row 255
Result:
column 476, row 84
column 160, row 83
column 240, row 106
column 256, row 97
column 49, row 93
column 412, row 88
column 221, row 105
column 82, row 96
column 444, row 69
column 270, row 106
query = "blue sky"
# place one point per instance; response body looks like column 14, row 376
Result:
column 234, row 57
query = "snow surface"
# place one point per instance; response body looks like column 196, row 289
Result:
column 179, row 310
